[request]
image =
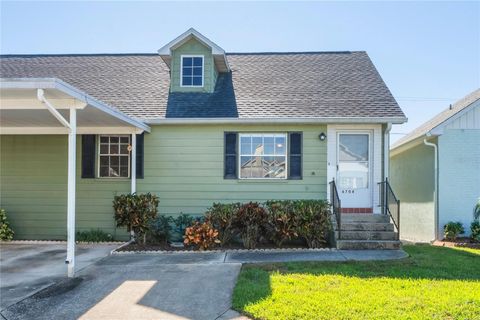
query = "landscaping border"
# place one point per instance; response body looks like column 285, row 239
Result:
column 270, row 250
column 57, row 242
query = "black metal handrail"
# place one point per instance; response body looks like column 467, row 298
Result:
column 390, row 204
column 336, row 206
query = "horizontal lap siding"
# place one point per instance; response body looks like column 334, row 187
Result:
column 184, row 166
column 33, row 181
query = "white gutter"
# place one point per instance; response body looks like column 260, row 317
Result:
column 435, row 188
column 386, row 151
column 337, row 120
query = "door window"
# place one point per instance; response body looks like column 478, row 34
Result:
column 353, row 157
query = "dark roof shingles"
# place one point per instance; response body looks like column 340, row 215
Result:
column 278, row 85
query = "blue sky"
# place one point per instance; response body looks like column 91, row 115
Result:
column 428, row 53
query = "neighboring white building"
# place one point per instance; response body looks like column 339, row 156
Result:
column 435, row 171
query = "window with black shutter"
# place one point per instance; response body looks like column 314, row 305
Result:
column 230, row 161
column 295, row 156
column 88, row 156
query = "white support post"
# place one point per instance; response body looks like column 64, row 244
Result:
column 133, row 171
column 72, row 138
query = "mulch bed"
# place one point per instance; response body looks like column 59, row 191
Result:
column 168, row 247
column 459, row 242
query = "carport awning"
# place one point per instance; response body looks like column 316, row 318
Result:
column 22, row 112
column 51, row 106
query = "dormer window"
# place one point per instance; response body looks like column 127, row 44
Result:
column 192, row 71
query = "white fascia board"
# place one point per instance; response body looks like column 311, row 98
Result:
column 438, row 129
column 63, row 130
column 338, row 120
column 54, row 83
column 165, row 50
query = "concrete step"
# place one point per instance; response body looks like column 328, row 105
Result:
column 372, row 218
column 368, row 244
column 364, row 226
column 368, row 235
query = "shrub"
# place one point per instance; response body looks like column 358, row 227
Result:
column 161, row 229
column 6, row 233
column 182, row 222
column 312, row 221
column 476, row 211
column 250, row 221
column 281, row 221
column 475, row 228
column 93, row 235
column 452, row 230
column 202, row 236
column 222, row 217
column 135, row 211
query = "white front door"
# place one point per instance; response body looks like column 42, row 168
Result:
column 354, row 168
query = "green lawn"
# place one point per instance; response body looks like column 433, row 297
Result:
column 433, row 283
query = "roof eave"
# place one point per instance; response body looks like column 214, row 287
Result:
column 299, row 120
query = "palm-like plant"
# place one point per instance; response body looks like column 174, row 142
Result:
column 476, row 211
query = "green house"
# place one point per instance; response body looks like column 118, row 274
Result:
column 194, row 125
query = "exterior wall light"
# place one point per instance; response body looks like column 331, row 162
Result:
column 322, row 136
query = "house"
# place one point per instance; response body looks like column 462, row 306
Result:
column 191, row 123
column 435, row 170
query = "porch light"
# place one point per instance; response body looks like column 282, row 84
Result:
column 322, row 136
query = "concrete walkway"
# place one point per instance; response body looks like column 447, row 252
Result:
column 162, row 286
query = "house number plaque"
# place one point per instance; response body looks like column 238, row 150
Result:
column 348, row 191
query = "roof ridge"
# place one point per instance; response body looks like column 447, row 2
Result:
column 74, row 55
column 40, row 55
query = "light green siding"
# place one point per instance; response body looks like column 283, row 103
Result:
column 412, row 179
column 33, row 182
column 184, row 166
column 193, row 47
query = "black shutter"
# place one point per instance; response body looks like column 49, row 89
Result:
column 88, row 156
column 230, row 162
column 139, row 166
column 295, row 156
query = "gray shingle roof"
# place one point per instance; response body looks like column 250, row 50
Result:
column 439, row 119
column 261, row 85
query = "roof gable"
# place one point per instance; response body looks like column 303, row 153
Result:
column 435, row 125
column 218, row 53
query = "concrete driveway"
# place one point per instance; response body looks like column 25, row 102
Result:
column 30, row 267
column 196, row 286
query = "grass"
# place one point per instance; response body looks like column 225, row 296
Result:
column 433, row 283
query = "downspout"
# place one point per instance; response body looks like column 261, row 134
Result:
column 386, row 159
column 386, row 148
column 435, row 188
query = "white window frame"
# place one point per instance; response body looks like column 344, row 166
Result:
column 181, row 70
column 261, row 134
column 100, row 154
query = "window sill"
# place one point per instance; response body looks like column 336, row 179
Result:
column 263, row 180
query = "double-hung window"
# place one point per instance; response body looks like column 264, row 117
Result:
column 192, row 71
column 263, row 156
column 114, row 156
